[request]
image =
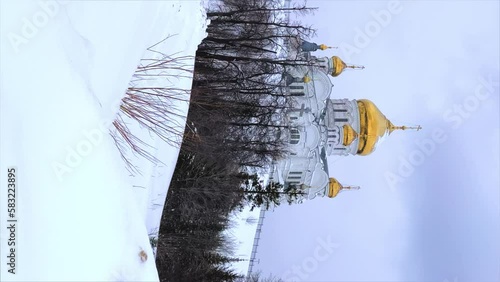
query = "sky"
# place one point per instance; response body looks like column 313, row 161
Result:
column 429, row 204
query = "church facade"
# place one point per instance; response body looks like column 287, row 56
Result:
column 320, row 126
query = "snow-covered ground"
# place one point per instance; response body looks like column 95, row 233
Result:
column 65, row 66
column 244, row 225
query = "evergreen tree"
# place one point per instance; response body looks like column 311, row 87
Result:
column 259, row 195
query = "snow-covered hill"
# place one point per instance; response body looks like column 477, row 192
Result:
column 65, row 65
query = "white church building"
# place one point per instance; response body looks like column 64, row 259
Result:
column 320, row 126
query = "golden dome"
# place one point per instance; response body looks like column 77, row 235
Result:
column 306, row 79
column 323, row 47
column 372, row 126
column 349, row 135
column 334, row 187
column 338, row 66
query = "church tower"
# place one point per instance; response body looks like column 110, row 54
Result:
column 306, row 46
column 355, row 127
column 334, row 66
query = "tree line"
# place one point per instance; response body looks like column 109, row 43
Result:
column 234, row 131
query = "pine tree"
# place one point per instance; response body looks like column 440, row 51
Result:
column 259, row 195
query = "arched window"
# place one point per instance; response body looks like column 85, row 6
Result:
column 341, row 120
column 294, row 176
column 293, row 116
column 334, row 135
column 294, row 136
column 297, row 88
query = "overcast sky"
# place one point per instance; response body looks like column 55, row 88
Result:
column 428, row 214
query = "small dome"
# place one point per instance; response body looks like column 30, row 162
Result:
column 323, row 47
column 349, row 135
column 338, row 66
column 334, row 187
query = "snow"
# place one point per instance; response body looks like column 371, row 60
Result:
column 64, row 68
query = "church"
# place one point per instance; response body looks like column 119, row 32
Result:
column 320, row 126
